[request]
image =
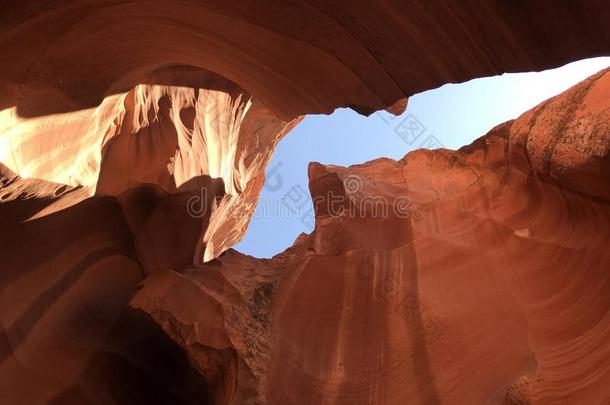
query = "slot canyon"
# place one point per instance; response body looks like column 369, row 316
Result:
column 134, row 137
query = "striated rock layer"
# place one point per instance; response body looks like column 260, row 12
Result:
column 296, row 57
column 176, row 137
column 133, row 142
column 475, row 276
column 110, row 94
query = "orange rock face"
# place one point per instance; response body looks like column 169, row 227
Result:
column 477, row 277
column 133, row 142
column 174, row 137
column 295, row 57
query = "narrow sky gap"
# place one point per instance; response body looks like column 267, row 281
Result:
column 451, row 116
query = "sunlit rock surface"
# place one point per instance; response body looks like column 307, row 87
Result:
column 482, row 280
column 112, row 94
column 170, row 136
column 133, row 142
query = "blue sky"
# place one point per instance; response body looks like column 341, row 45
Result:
column 452, row 116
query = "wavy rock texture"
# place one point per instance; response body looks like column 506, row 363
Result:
column 174, row 137
column 133, row 140
column 112, row 94
column 469, row 277
column 307, row 56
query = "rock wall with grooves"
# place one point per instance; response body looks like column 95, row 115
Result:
column 297, row 57
column 133, row 142
column 175, row 137
column 477, row 277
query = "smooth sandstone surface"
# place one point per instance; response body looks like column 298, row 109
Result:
column 175, row 137
column 295, row 57
column 486, row 284
column 133, row 142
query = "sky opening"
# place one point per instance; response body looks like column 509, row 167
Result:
column 450, row 117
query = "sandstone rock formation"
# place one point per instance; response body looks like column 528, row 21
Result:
column 485, row 284
column 295, row 57
column 111, row 94
column 176, row 137
column 133, row 142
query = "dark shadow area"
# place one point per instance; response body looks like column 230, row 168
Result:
column 137, row 365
